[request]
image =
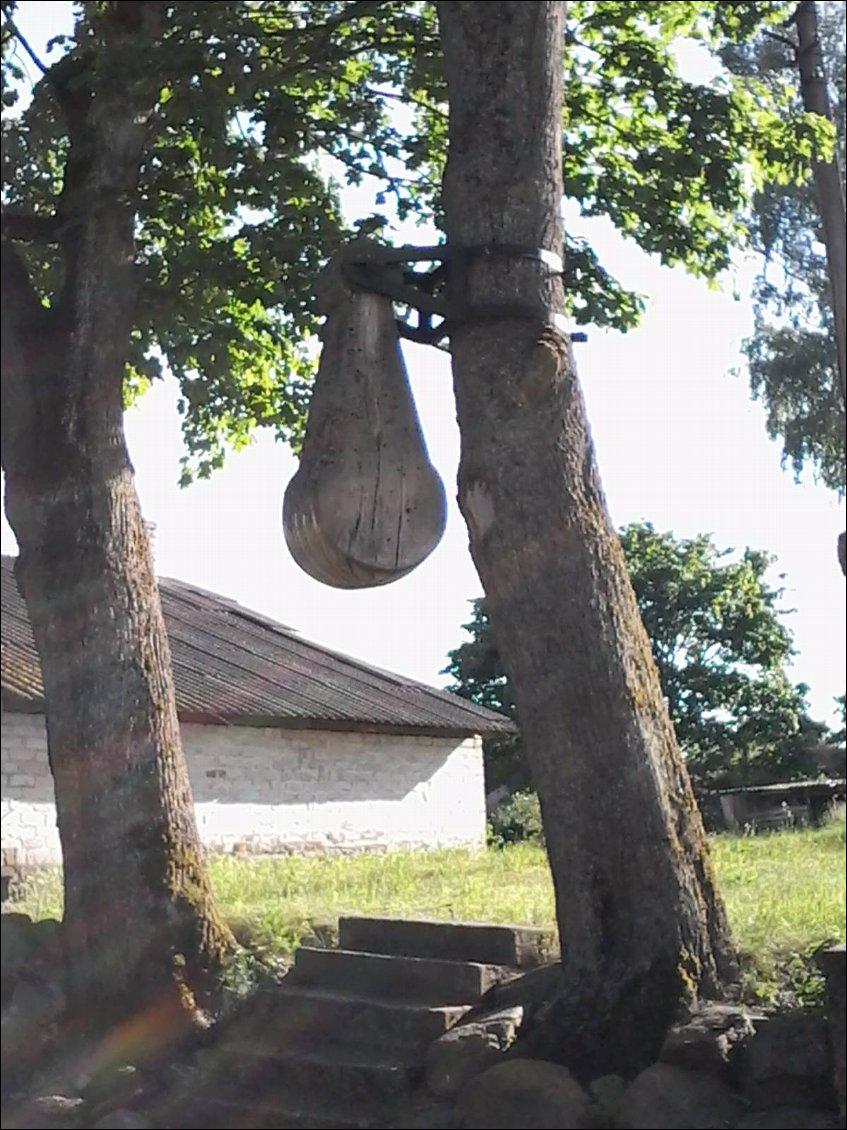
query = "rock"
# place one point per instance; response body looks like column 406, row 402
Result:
column 527, row 1093
column 468, row 1049
column 432, row 1116
column 790, row 1118
column 664, row 1097
column 115, row 1086
column 606, row 1092
column 123, row 1120
column 37, row 1002
column 788, row 1063
column 29, row 946
column 14, row 950
column 46, row 939
column 710, row 1039
column 531, row 991
column 833, row 962
column 28, row 1028
column 49, row 1112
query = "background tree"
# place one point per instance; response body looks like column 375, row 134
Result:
column 163, row 207
column 160, row 204
column 792, row 352
column 839, row 736
column 721, row 648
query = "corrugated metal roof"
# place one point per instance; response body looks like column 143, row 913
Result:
column 234, row 666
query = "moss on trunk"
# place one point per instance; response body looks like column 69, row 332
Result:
column 641, row 926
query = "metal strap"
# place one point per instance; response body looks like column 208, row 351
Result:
column 428, row 292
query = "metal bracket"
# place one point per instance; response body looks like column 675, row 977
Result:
column 435, row 293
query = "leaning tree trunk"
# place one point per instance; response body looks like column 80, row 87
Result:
column 641, row 927
column 140, row 925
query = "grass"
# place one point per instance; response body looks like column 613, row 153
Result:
column 785, row 898
column 784, row 892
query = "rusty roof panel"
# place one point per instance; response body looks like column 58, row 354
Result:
column 233, row 666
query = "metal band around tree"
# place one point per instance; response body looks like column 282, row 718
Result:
column 427, row 292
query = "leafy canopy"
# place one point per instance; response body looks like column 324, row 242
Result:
column 263, row 105
column 721, row 648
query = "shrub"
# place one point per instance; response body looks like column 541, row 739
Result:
column 516, row 820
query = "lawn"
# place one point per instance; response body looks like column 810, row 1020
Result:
column 784, row 894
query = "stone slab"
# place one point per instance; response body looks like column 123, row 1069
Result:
column 523, row 947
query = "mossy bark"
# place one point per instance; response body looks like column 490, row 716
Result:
column 140, row 924
column 642, row 928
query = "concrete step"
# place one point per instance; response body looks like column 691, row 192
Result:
column 415, row 980
column 521, row 946
column 358, row 1080
column 294, row 1015
column 245, row 1111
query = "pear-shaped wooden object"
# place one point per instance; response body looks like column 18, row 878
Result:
column 366, row 505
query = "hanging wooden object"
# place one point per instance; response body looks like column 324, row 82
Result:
column 366, row 505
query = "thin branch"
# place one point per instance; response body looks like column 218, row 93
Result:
column 792, row 19
column 392, row 181
column 352, row 12
column 785, row 39
column 405, row 98
column 12, row 27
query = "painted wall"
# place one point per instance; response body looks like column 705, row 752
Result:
column 266, row 790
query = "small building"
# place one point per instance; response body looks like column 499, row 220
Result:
column 289, row 746
column 780, row 805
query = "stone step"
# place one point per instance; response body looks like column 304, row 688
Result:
column 521, row 946
column 245, row 1111
column 415, row 980
column 297, row 1015
column 358, row 1080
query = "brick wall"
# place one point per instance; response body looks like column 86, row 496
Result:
column 26, row 786
column 265, row 790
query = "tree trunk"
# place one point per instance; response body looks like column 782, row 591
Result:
column 641, row 927
column 140, row 926
column 828, row 188
column 828, row 183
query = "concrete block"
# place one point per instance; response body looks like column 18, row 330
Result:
column 413, row 979
column 520, row 946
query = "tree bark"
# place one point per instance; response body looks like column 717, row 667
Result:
column 140, row 924
column 827, row 177
column 828, row 189
column 641, row 926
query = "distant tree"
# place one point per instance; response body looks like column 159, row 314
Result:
column 721, row 649
column 792, row 353
column 839, row 736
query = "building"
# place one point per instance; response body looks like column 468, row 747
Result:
column 290, row 746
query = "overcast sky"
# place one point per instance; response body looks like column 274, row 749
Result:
column 678, row 439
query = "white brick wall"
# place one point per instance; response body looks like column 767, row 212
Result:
column 28, row 808
column 265, row 790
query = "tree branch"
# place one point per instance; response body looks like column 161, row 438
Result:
column 409, row 98
column 24, row 324
column 786, row 39
column 31, row 227
column 12, row 28
column 352, row 12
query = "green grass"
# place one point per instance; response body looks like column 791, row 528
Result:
column 784, row 894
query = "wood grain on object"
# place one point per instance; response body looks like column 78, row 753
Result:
column 366, row 505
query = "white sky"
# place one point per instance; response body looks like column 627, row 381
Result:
column 679, row 444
